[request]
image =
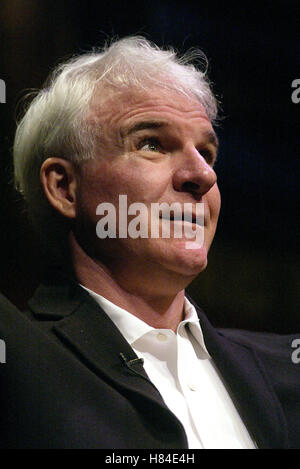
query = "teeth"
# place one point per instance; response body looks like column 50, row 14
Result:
column 173, row 218
column 177, row 218
column 189, row 218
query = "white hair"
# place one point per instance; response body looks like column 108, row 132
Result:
column 55, row 123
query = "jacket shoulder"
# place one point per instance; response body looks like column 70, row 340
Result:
column 265, row 343
column 279, row 359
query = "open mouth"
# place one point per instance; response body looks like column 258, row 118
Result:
column 187, row 218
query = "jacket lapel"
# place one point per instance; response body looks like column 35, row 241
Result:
column 248, row 385
column 85, row 328
column 82, row 324
column 91, row 333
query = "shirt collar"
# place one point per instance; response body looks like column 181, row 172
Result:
column 192, row 319
column 133, row 328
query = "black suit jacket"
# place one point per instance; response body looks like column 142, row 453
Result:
column 65, row 383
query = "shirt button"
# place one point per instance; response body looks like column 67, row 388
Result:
column 192, row 387
column 161, row 337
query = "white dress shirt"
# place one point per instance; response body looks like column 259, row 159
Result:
column 182, row 370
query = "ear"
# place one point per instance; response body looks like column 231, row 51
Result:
column 58, row 179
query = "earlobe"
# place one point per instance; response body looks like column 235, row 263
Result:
column 58, row 180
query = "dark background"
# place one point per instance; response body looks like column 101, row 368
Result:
column 252, row 280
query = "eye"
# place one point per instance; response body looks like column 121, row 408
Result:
column 208, row 155
column 150, row 144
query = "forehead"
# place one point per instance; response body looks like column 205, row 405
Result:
column 126, row 108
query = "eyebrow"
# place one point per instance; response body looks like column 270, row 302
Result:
column 143, row 125
column 146, row 125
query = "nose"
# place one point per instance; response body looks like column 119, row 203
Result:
column 193, row 174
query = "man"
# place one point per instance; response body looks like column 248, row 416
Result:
column 111, row 353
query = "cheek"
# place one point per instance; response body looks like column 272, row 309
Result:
column 99, row 183
column 135, row 178
column 214, row 203
column 140, row 182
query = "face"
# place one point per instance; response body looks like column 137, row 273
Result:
column 154, row 147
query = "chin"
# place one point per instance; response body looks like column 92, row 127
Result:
column 187, row 258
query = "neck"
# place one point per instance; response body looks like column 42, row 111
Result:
column 158, row 307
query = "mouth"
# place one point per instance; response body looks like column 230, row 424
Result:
column 186, row 218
